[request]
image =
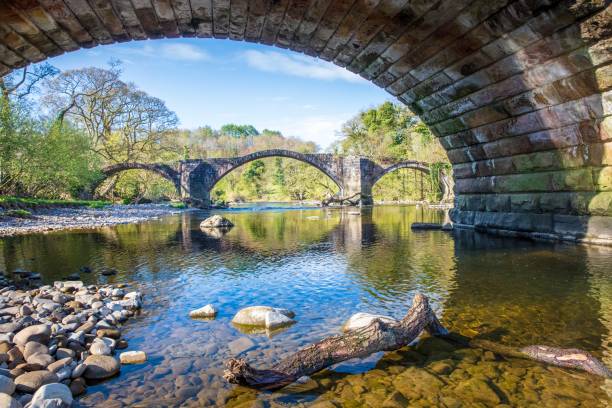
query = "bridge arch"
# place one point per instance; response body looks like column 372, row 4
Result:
column 322, row 162
column 518, row 92
column 163, row 170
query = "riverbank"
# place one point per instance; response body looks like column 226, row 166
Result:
column 59, row 218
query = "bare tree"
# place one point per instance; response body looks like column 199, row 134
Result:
column 124, row 123
column 23, row 82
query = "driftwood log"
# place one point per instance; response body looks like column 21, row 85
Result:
column 352, row 200
column 381, row 336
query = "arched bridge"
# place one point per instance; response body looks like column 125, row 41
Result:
column 194, row 179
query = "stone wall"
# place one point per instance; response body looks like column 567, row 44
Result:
column 517, row 91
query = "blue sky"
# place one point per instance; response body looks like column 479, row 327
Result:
column 213, row 82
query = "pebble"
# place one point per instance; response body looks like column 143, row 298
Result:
column 100, row 367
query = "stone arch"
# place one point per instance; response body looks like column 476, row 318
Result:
column 163, row 170
column 517, row 91
column 323, row 162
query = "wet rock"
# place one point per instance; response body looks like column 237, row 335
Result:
column 6, row 401
column 414, row 383
column 33, row 380
column 216, row 221
column 100, row 367
column 240, row 345
column 78, row 387
column 39, row 333
column 442, row 367
column 476, row 389
column 359, row 320
column 7, row 385
column 207, row 311
column 256, row 315
column 52, row 395
column 133, row 357
column 108, row 271
column 275, row 320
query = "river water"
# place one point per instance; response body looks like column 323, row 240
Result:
column 325, row 265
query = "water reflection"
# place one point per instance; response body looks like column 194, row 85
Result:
column 325, row 265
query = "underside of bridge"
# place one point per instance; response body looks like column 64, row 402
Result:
column 517, row 91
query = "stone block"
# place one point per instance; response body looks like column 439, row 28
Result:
column 524, row 203
column 603, row 178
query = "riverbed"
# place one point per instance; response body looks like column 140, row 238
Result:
column 62, row 218
column 325, row 265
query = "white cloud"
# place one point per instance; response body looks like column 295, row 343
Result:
column 298, row 65
column 321, row 129
column 170, row 51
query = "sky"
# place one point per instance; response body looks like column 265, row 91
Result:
column 214, row 82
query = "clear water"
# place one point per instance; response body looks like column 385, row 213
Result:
column 326, row 265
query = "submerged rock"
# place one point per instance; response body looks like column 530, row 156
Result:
column 216, row 221
column 207, row 311
column 269, row 317
column 359, row 320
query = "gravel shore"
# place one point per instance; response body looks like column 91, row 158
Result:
column 83, row 218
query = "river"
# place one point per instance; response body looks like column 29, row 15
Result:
column 325, row 265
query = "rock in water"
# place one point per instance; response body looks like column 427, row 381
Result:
column 133, row 357
column 359, row 320
column 207, row 311
column 216, row 221
column 262, row 316
column 59, row 393
column 100, row 367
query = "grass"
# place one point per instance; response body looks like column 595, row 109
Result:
column 178, row 205
column 17, row 214
column 10, row 201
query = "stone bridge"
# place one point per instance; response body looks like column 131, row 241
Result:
column 194, row 179
column 518, row 91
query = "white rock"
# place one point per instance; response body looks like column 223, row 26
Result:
column 256, row 315
column 55, row 391
column 206, row 311
column 133, row 357
column 100, row 349
column 274, row 320
column 359, row 320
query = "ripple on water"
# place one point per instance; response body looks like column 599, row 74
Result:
column 326, row 269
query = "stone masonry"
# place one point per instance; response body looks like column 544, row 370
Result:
column 194, row 179
column 518, row 91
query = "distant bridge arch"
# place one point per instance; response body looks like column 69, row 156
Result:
column 164, row 170
column 322, row 162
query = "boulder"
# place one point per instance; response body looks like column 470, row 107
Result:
column 359, row 320
column 33, row 380
column 256, row 315
column 59, row 393
column 275, row 320
column 39, row 333
column 133, row 357
column 207, row 311
column 100, row 367
column 216, row 221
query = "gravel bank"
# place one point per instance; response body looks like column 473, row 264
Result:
column 51, row 219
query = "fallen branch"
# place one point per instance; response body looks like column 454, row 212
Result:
column 381, row 336
column 342, row 200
